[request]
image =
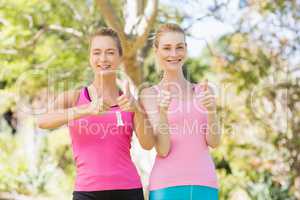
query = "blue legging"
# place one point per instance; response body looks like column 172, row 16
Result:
column 186, row 192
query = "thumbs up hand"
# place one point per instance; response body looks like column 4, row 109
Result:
column 207, row 98
column 97, row 105
column 164, row 98
column 126, row 101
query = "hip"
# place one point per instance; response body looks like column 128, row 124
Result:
column 130, row 194
column 187, row 192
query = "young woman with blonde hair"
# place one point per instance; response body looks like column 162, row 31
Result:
column 183, row 116
column 101, row 121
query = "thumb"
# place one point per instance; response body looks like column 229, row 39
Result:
column 166, row 87
column 205, row 85
column 92, row 91
column 127, row 89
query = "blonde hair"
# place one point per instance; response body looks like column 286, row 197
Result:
column 169, row 27
column 111, row 33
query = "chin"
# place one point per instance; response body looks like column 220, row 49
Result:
column 105, row 72
column 176, row 67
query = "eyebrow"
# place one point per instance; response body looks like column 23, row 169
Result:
column 110, row 49
column 181, row 43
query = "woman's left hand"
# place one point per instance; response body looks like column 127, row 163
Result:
column 126, row 101
column 207, row 98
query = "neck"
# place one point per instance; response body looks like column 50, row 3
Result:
column 107, row 81
column 178, row 85
column 174, row 77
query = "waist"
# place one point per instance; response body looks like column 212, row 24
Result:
column 185, row 169
column 165, row 182
column 121, row 181
column 106, row 176
column 103, row 163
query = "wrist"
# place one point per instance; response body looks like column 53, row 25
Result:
column 163, row 111
column 212, row 117
column 212, row 111
column 137, row 107
column 82, row 110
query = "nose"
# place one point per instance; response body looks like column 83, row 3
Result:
column 173, row 52
column 103, row 57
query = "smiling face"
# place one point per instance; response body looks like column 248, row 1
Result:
column 104, row 55
column 171, row 51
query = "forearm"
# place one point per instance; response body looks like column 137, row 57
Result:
column 162, row 143
column 144, row 130
column 213, row 135
column 57, row 118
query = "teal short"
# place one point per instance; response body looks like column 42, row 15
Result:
column 186, row 192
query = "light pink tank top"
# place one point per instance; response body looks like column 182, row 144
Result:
column 101, row 150
column 189, row 161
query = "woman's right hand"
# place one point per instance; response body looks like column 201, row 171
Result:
column 164, row 99
column 97, row 106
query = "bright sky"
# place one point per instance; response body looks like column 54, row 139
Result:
column 206, row 30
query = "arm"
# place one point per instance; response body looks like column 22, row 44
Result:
column 60, row 111
column 142, row 126
column 158, row 120
column 213, row 135
column 63, row 110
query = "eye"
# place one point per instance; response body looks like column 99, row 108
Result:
column 180, row 47
column 96, row 53
column 166, row 48
column 110, row 53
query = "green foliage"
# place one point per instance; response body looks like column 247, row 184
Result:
column 43, row 40
column 246, row 62
column 47, row 170
column 253, row 73
column 194, row 69
column 267, row 189
column 44, row 44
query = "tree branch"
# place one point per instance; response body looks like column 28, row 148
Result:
column 77, row 15
column 69, row 30
column 111, row 19
column 141, row 7
column 187, row 28
column 37, row 36
column 8, row 51
column 4, row 21
column 34, row 39
column 140, row 41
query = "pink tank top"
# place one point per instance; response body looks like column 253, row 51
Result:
column 189, row 161
column 101, row 150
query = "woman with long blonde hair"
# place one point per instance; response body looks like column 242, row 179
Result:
column 183, row 116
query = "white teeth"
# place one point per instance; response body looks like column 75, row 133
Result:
column 104, row 66
column 174, row 60
column 178, row 60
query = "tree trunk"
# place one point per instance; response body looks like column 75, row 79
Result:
column 131, row 43
column 133, row 69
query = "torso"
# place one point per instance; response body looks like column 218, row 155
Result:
column 188, row 162
column 101, row 150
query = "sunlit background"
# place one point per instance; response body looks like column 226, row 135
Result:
column 248, row 49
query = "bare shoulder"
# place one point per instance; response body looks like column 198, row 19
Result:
column 73, row 97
